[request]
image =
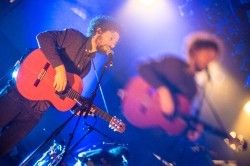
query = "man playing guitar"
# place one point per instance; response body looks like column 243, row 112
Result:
column 162, row 94
column 66, row 51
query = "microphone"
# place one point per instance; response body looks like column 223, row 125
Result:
column 114, row 143
column 110, row 54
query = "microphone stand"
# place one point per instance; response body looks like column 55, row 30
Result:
column 90, row 129
column 210, row 105
column 85, row 109
column 204, row 94
column 52, row 135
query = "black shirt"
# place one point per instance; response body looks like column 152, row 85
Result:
column 69, row 47
column 171, row 72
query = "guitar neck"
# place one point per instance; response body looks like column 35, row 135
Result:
column 101, row 113
column 72, row 94
column 206, row 126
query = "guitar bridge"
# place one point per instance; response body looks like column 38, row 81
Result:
column 42, row 74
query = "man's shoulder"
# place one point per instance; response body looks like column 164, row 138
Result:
column 74, row 31
column 173, row 60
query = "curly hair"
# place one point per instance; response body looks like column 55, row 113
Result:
column 106, row 23
column 201, row 40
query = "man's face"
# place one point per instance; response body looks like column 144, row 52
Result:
column 203, row 57
column 106, row 41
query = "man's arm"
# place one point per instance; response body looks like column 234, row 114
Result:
column 175, row 71
column 49, row 42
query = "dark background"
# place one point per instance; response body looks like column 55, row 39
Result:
column 150, row 28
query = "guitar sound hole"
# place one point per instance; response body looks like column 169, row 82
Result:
column 143, row 109
column 61, row 95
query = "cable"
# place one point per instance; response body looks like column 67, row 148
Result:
column 211, row 107
column 215, row 114
column 5, row 14
column 103, row 98
column 232, row 10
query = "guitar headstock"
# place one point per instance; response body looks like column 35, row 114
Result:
column 236, row 142
column 117, row 125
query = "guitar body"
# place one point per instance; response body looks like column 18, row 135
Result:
column 145, row 107
column 28, row 75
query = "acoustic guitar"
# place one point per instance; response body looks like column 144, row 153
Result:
column 147, row 107
column 35, row 80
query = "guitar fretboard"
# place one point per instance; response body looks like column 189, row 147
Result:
column 74, row 95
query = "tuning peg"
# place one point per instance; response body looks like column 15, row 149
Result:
column 236, row 142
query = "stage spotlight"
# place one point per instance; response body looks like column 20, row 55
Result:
column 80, row 13
column 247, row 107
column 146, row 2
